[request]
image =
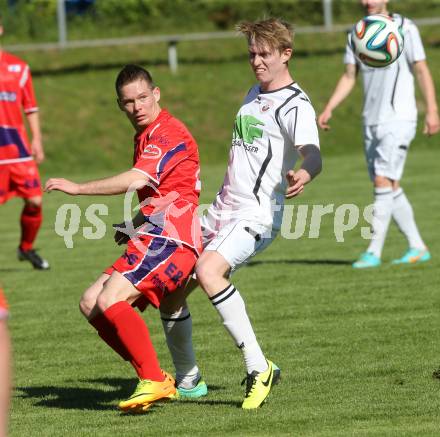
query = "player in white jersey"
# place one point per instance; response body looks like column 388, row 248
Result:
column 274, row 126
column 269, row 130
column 389, row 119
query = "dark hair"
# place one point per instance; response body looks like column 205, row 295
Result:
column 130, row 73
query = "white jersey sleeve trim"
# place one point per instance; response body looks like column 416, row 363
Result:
column 146, row 174
column 24, row 77
column 30, row 110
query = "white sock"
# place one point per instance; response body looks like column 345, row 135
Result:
column 232, row 310
column 383, row 205
column 178, row 333
column 403, row 215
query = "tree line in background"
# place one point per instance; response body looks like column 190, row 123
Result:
column 35, row 20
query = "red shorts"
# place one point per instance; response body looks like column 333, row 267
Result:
column 155, row 266
column 3, row 306
column 21, row 179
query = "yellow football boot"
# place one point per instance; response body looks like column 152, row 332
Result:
column 147, row 392
column 258, row 386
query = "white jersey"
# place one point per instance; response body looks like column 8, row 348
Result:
column 389, row 92
column 268, row 130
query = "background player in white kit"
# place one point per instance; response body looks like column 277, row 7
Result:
column 389, row 118
column 275, row 125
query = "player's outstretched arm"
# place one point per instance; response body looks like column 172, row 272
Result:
column 342, row 90
column 424, row 78
column 128, row 181
column 311, row 167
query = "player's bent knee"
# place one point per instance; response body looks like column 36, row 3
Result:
column 201, row 273
column 211, row 266
column 107, row 298
column 88, row 300
column 86, row 305
column 104, row 301
column 206, row 272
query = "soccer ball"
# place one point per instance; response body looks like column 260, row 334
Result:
column 377, row 40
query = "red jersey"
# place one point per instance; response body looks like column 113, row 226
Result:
column 168, row 155
column 16, row 94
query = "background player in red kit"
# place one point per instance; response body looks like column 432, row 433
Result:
column 5, row 366
column 161, row 255
column 18, row 160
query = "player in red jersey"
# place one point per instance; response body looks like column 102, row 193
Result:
column 5, row 366
column 161, row 255
column 18, row 159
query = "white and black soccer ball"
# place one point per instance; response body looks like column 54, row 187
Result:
column 377, row 40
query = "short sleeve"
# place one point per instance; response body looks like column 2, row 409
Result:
column 300, row 124
column 155, row 162
column 349, row 57
column 413, row 48
column 28, row 101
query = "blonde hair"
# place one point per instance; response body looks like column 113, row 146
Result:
column 273, row 32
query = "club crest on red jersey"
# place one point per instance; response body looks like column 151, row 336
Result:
column 151, row 151
column 14, row 68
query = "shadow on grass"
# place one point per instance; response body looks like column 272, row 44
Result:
column 98, row 399
column 12, row 270
column 79, row 398
column 214, row 402
column 334, row 262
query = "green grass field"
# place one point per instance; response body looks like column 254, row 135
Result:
column 357, row 348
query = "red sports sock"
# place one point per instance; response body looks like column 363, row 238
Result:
column 108, row 333
column 31, row 218
column 133, row 334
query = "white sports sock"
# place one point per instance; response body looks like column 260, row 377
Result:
column 178, row 333
column 232, row 310
column 403, row 215
column 383, row 205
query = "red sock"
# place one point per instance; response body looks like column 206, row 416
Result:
column 31, row 218
column 133, row 334
column 108, row 333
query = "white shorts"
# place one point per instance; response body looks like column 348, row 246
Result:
column 237, row 240
column 386, row 148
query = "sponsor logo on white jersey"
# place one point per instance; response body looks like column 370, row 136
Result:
column 246, row 130
column 151, row 151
